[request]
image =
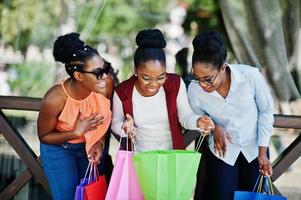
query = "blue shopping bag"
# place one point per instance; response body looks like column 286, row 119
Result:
column 263, row 190
column 80, row 189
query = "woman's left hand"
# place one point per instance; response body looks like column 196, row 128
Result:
column 265, row 166
column 95, row 152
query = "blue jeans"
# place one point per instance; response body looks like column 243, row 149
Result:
column 64, row 165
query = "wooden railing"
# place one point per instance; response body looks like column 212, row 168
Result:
column 34, row 168
column 15, row 139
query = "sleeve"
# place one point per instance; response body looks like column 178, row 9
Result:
column 187, row 117
column 118, row 115
column 193, row 100
column 265, row 107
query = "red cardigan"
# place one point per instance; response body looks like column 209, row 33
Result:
column 171, row 88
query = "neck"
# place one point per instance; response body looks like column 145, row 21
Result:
column 77, row 90
column 224, row 87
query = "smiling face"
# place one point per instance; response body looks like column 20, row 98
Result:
column 209, row 77
column 151, row 75
column 89, row 78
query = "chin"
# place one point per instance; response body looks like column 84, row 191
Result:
column 209, row 90
column 148, row 92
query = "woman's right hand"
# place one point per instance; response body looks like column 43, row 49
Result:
column 129, row 127
column 206, row 125
column 85, row 124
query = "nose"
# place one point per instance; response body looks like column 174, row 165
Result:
column 154, row 83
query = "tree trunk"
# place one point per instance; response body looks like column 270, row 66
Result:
column 258, row 32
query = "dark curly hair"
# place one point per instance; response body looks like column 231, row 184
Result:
column 72, row 51
column 150, row 47
column 209, row 48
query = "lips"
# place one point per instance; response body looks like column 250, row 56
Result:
column 152, row 90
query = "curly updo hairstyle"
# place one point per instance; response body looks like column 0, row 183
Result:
column 150, row 47
column 209, row 48
column 73, row 52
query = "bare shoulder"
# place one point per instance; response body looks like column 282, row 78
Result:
column 54, row 99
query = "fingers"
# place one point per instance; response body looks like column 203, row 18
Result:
column 94, row 155
column 94, row 159
column 228, row 137
column 220, row 149
column 132, row 135
column 220, row 143
column 206, row 125
column 129, row 117
column 95, row 120
column 265, row 167
column 128, row 126
column 224, row 149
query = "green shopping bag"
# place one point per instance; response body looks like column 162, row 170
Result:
column 167, row 174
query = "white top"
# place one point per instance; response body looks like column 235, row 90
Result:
column 246, row 113
column 151, row 118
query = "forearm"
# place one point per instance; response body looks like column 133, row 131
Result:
column 262, row 151
column 187, row 118
column 56, row 137
column 118, row 116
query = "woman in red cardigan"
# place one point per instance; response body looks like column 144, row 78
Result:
column 152, row 105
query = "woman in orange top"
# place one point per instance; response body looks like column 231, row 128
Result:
column 74, row 116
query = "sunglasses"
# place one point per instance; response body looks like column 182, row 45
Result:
column 98, row 72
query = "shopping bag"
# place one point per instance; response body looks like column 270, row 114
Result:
column 96, row 188
column 124, row 182
column 80, row 190
column 92, row 186
column 167, row 174
column 263, row 190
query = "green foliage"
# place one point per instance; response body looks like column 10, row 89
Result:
column 31, row 79
column 112, row 22
column 121, row 19
column 205, row 14
column 28, row 22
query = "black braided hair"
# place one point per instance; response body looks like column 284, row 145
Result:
column 72, row 51
column 209, row 48
column 150, row 47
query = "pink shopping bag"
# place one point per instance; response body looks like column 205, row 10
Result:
column 124, row 183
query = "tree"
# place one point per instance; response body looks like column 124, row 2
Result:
column 258, row 38
column 28, row 22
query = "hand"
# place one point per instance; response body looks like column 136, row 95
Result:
column 265, row 166
column 220, row 138
column 95, row 152
column 84, row 124
column 129, row 127
column 206, row 125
